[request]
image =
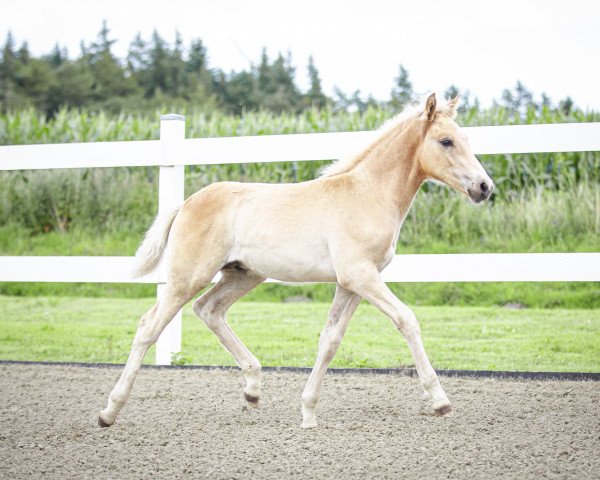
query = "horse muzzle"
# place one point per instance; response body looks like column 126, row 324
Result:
column 481, row 190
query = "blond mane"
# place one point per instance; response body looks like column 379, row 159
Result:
column 396, row 123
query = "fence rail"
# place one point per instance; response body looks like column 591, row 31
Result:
column 173, row 151
column 559, row 137
column 463, row 267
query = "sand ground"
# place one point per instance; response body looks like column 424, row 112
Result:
column 195, row 424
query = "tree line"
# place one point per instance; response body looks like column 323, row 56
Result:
column 156, row 73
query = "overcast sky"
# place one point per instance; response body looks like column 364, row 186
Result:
column 483, row 46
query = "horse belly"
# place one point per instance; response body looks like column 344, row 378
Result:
column 289, row 261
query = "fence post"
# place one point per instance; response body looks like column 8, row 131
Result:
column 170, row 195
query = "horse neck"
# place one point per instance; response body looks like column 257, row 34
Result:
column 390, row 167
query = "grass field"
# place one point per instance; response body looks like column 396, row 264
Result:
column 101, row 330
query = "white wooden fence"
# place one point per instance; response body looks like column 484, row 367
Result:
column 172, row 152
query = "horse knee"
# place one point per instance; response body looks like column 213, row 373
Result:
column 145, row 338
column 332, row 339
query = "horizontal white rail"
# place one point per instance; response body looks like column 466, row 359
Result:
column 70, row 269
column 495, row 267
column 563, row 137
column 472, row 267
column 551, row 137
column 80, row 155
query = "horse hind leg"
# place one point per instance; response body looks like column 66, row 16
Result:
column 212, row 308
column 151, row 325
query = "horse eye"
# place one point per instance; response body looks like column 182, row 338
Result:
column 446, row 142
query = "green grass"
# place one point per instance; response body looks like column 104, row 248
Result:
column 551, row 295
column 101, row 330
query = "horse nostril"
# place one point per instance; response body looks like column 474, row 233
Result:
column 484, row 187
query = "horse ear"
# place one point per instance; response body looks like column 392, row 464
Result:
column 452, row 106
column 430, row 107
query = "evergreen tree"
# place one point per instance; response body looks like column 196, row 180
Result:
column 518, row 99
column 524, row 96
column 57, row 57
column 176, row 84
column 263, row 74
column 566, row 106
column 9, row 73
column 546, row 101
column 240, row 92
column 402, row 91
column 314, row 96
column 158, row 66
column 276, row 89
column 9, row 56
column 102, row 45
column 23, row 54
column 197, row 62
column 137, row 56
column 111, row 84
column 340, row 100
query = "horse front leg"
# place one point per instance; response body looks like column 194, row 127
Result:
column 344, row 305
column 366, row 281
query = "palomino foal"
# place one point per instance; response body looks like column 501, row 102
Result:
column 341, row 227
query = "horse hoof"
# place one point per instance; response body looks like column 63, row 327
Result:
column 252, row 401
column 444, row 411
column 102, row 423
column 306, row 424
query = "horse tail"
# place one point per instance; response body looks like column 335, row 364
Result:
column 151, row 250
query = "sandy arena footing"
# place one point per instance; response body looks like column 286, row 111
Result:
column 196, row 424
